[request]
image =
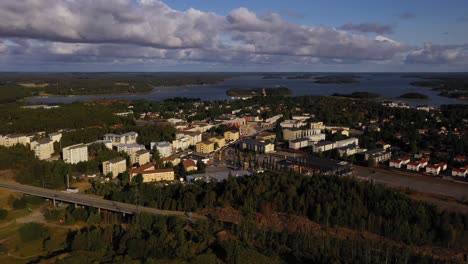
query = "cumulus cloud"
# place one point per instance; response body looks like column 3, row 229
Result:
column 439, row 54
column 369, row 27
column 93, row 30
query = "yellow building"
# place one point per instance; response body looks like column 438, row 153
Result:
column 189, row 165
column 220, row 141
column 231, row 135
column 151, row 174
column 43, row 148
column 141, row 157
column 205, row 147
column 114, row 166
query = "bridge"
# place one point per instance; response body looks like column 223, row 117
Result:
column 92, row 201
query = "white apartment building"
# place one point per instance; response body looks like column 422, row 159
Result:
column 323, row 146
column 43, row 148
column 292, row 123
column 114, row 166
column 106, row 143
column 299, row 143
column 182, row 143
column 316, row 137
column 127, row 138
column 164, row 148
column 75, row 154
column 193, row 137
column 347, row 142
column 129, row 148
column 11, row 140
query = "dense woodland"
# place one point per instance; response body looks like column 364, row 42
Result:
column 331, row 201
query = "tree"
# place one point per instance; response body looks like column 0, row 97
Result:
column 201, row 167
column 3, row 214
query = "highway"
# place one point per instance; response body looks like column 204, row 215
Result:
column 92, row 201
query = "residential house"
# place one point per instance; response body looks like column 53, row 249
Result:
column 114, row 166
column 257, row 146
column 150, row 174
column 205, row 146
column 164, row 148
column 219, row 141
column 141, row 157
column 231, row 135
column 189, row 165
column 433, row 169
column 127, row 138
column 75, row 153
column 413, row 166
column 395, row 163
column 378, row 155
column 461, row 172
column 43, row 148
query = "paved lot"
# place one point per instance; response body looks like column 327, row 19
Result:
column 420, row 183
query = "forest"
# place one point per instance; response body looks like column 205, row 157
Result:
column 328, row 200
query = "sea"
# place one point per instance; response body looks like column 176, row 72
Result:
column 389, row 85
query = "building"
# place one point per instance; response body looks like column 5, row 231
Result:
column 219, row 141
column 127, row 138
column 182, row 143
column 316, row 137
column 205, row 147
column 395, row 163
column 235, row 122
column 141, row 157
column 317, row 125
column 150, row 174
column 323, row 146
column 43, row 148
column 75, row 154
column 164, row 148
column 459, row 158
column 55, row 137
column 299, row 143
column 173, row 160
column 350, row 150
column 295, row 133
column 192, row 137
column 340, row 130
column 378, row 155
column 129, row 148
column 232, row 135
column 248, row 130
column 461, row 172
column 114, row 166
column 433, row 169
column 189, row 165
column 347, row 142
column 11, row 140
column 257, row 146
column 293, row 123
column 413, row 166
column 266, row 136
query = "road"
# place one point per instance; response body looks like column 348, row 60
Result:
column 88, row 200
column 420, row 183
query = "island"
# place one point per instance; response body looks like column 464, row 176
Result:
column 274, row 77
column 414, row 96
column 252, row 92
column 298, row 77
column 359, row 95
column 448, row 85
column 336, row 79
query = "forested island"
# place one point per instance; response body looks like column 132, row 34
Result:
column 416, row 96
column 337, row 79
column 14, row 86
column 251, row 92
column 450, row 85
column 359, row 95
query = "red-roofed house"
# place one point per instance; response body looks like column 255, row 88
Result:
column 395, row 163
column 433, row 169
column 413, row 166
column 151, row 174
column 423, row 163
column 189, row 165
column 459, row 172
column 405, row 160
column 443, row 166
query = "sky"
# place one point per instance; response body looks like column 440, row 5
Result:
column 253, row 35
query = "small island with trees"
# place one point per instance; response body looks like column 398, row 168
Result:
column 337, row 79
column 414, row 96
column 359, row 95
column 251, row 92
column 448, row 85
